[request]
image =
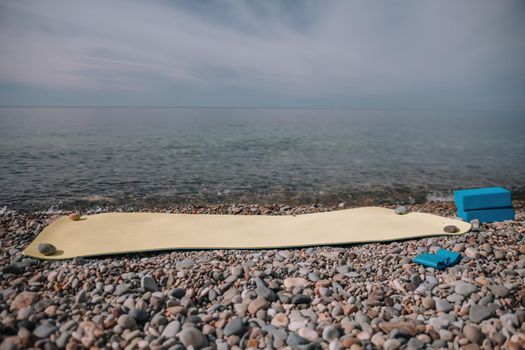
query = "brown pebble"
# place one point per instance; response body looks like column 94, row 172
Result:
column 74, row 216
column 451, row 229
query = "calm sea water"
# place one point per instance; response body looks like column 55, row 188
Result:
column 70, row 157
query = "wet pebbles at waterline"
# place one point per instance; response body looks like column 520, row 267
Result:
column 360, row 296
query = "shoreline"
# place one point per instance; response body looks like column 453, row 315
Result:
column 357, row 296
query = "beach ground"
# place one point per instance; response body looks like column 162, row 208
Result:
column 360, row 296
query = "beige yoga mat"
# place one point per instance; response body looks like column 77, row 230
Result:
column 116, row 233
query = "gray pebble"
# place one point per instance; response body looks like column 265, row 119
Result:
column 465, row 289
column 127, row 322
column 479, row 313
column 330, row 333
column 192, row 337
column 178, row 292
column 148, row 284
column 401, row 210
column 443, row 305
column 295, row 340
column 234, row 326
column 46, row 249
column 138, row 314
column 171, row 329
column 44, row 330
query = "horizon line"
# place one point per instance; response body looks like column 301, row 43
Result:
column 261, row 107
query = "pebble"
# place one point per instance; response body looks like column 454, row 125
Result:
column 74, row 216
column 295, row 340
column 290, row 283
column 473, row 333
column 301, row 299
column 171, row 329
column 330, row 333
column 499, row 291
column 46, row 249
column 234, row 326
column 178, row 292
column 138, row 314
column 191, row 336
column 392, row 344
column 471, row 253
column 443, row 305
column 451, row 229
column 465, row 289
column 479, row 313
column 127, row 322
column 257, row 304
column 401, row 210
column 148, row 284
column 280, row 320
column 44, row 330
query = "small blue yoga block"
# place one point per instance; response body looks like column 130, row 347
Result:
column 482, row 198
column 443, row 258
column 487, row 215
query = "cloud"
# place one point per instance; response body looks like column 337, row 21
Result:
column 298, row 49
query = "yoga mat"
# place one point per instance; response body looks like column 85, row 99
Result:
column 116, row 233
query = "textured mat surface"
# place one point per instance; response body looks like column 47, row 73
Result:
column 116, row 233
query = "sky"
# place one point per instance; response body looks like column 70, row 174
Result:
column 411, row 54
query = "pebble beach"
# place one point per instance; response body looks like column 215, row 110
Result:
column 362, row 296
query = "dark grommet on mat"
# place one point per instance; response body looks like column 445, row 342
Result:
column 451, row 229
column 46, row 249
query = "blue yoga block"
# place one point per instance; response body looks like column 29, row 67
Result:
column 482, row 198
column 487, row 215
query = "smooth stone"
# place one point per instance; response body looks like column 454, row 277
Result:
column 378, row 340
column 443, row 305
column 44, row 330
column 308, row 333
column 290, row 283
column 330, row 333
column 280, row 320
column 451, row 229
column 178, row 292
column 479, row 313
column 75, row 216
column 428, row 303
column 465, row 289
column 257, row 304
column 392, row 344
column 127, row 322
column 294, row 339
column 473, row 333
column 149, row 284
column 122, row 289
column 46, row 249
column 301, row 299
column 499, row 291
column 14, row 269
column 235, row 326
column 171, row 329
column 81, row 297
column 191, row 336
column 471, row 253
column 185, row 264
column 415, row 343
column 401, row 210
column 138, row 314
column 23, row 299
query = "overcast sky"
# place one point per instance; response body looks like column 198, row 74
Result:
column 357, row 54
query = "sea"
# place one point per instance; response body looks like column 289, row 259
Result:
column 161, row 157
